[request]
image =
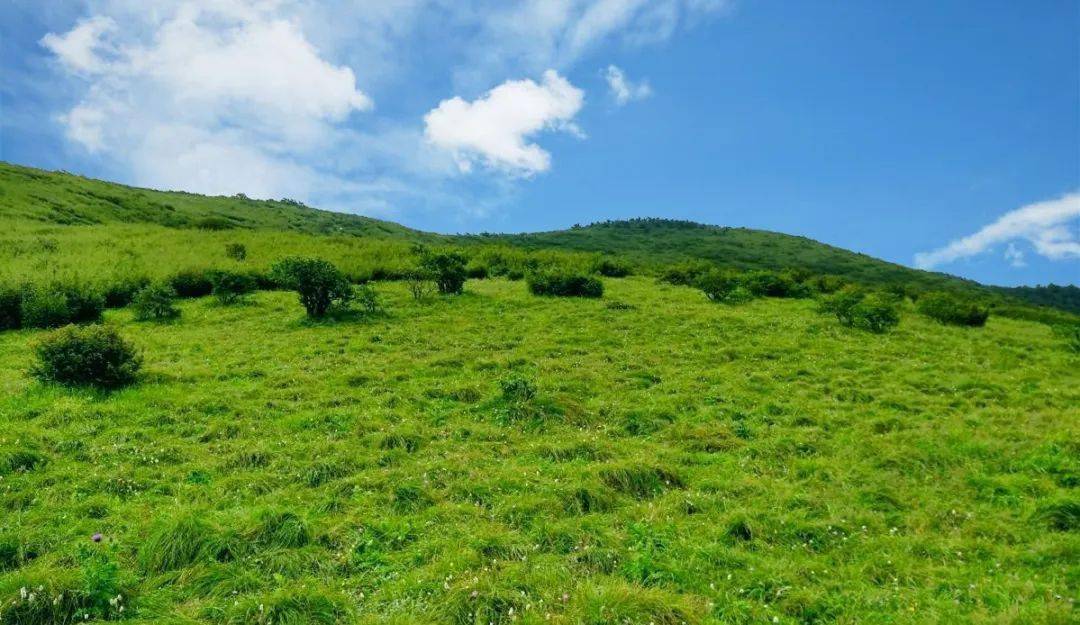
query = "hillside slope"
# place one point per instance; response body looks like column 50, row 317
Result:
column 32, row 196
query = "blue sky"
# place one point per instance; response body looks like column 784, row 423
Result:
column 939, row 134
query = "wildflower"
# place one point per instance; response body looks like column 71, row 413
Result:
column 96, row 538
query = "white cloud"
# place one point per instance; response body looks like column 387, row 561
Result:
column 218, row 97
column 495, row 129
column 1015, row 255
column 78, row 48
column 1045, row 225
column 622, row 89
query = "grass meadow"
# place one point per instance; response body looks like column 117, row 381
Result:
column 497, row 457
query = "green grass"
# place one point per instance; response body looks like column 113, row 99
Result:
column 677, row 461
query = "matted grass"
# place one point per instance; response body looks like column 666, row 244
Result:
column 680, row 461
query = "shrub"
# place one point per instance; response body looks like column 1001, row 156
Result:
column 447, row 269
column 876, row 312
column 517, row 390
column 236, row 251
column 10, row 308
column 950, row 309
column 121, row 292
column 156, row 302
column 320, row 284
column 565, row 284
column 367, row 299
column 842, row 303
column 611, row 268
column 60, row 304
column 214, row 223
column 769, row 284
column 192, row 283
column 723, row 286
column 421, row 284
column 686, row 274
column 827, row 283
column 230, row 287
column 476, row 271
column 86, row 356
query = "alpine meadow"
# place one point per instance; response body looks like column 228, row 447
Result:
column 503, row 429
column 539, row 312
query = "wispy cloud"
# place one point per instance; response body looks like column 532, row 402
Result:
column 1051, row 227
column 622, row 89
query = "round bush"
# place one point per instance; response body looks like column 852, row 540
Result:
column 156, row 302
column 236, row 251
column 121, row 291
column 723, row 286
column 56, row 305
column 565, row 285
column 447, row 268
column 320, row 284
column 230, row 287
column 876, row 313
column 86, row 356
column 953, row 310
column 192, row 283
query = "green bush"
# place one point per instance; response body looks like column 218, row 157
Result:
column 877, row 312
column 10, row 307
column 236, row 251
column 86, row 356
column 367, row 299
column 214, row 224
column 156, row 302
column 421, row 284
column 565, row 284
column 52, row 306
column 230, row 287
column 611, row 268
column 319, row 283
column 686, row 274
column 448, row 269
column 121, row 292
column 770, row 284
column 951, row 309
column 723, row 286
column 842, row 303
column 193, row 283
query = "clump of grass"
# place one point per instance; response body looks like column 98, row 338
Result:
column 411, row 498
column 587, row 499
column 640, row 481
column 279, row 528
column 179, row 541
column 406, row 441
column 620, row 602
column 20, row 460
column 1061, row 516
column 296, row 605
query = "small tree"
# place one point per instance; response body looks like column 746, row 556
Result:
column 842, row 304
column 320, row 284
column 230, row 287
column 877, row 312
column 723, row 286
column 236, row 251
column 448, row 269
column 367, row 299
column 86, row 356
column 421, row 284
column 156, row 302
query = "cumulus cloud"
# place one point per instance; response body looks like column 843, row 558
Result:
column 78, row 49
column 1050, row 227
column 210, row 97
column 495, row 129
column 622, row 89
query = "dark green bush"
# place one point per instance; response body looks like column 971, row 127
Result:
column 877, row 312
column 236, row 251
column 10, row 307
column 214, row 223
column 86, row 356
column 770, row 284
column 55, row 305
column 193, row 283
column 952, row 309
column 476, row 271
column 156, row 302
column 723, row 286
column 686, row 274
column 611, row 268
column 320, row 284
column 121, row 291
column 230, row 287
column 565, row 284
column 448, row 270
column 826, row 283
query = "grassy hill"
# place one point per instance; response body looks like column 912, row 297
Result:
column 66, row 225
column 678, row 461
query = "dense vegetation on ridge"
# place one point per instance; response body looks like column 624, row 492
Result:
column 265, row 414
